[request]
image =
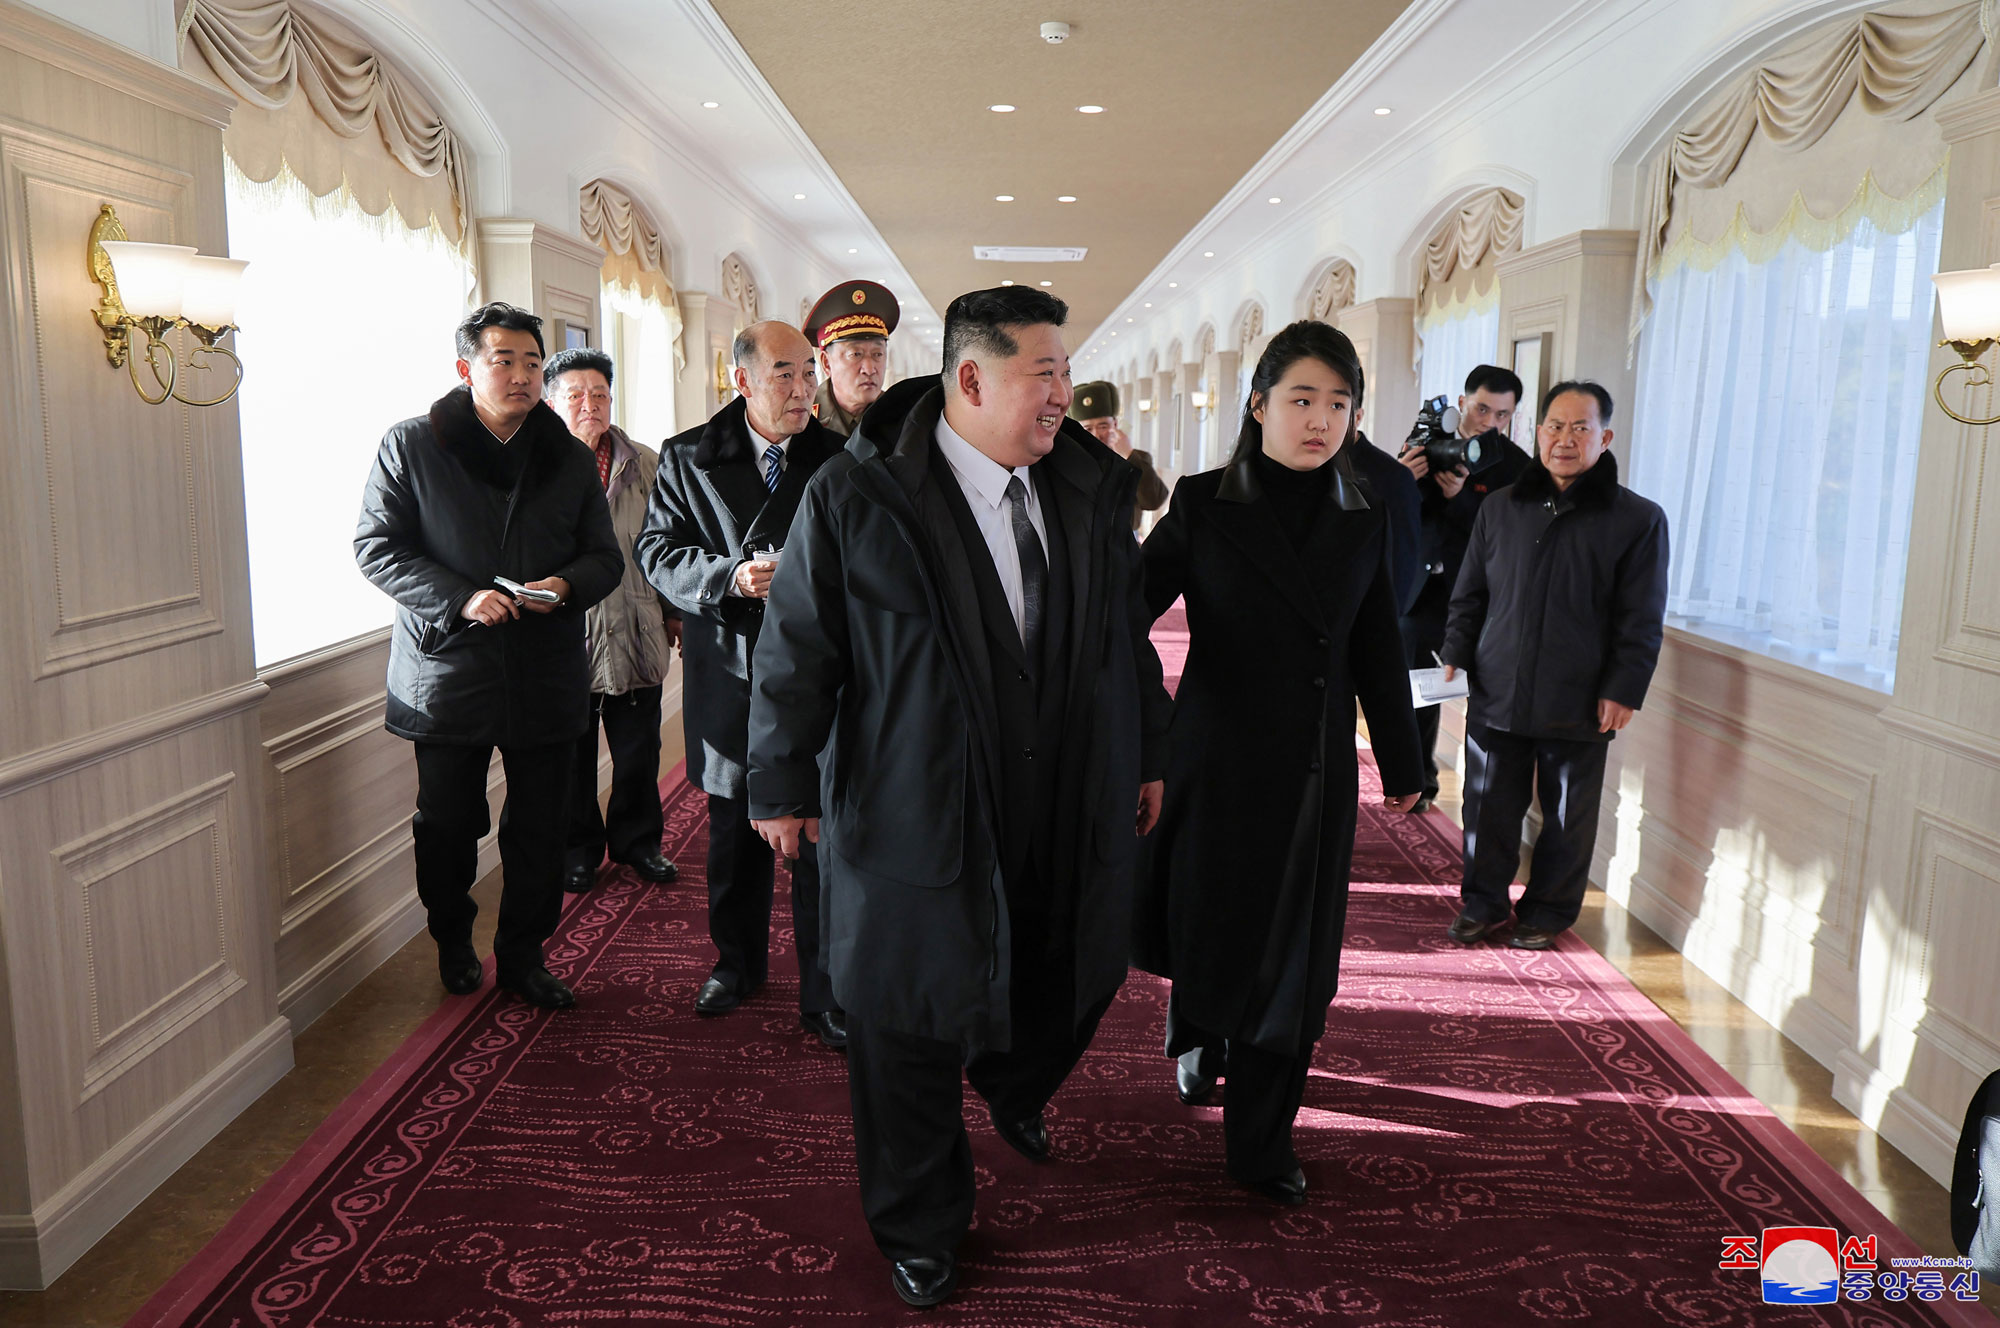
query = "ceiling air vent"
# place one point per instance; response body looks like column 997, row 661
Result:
column 1028, row 253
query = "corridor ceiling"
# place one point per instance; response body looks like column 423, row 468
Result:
column 895, row 95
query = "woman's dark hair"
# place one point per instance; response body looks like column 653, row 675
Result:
column 1307, row 339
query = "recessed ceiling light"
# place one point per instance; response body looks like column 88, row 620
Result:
column 1149, row 304
column 853, row 251
column 1007, row 281
column 1048, row 283
column 1172, row 284
column 1381, row 110
column 1274, row 199
column 799, row 197
column 710, row 105
column 1066, row 198
column 1113, row 334
column 1001, row 107
column 1003, row 198
column 1128, row 320
column 1208, row 253
column 1091, row 110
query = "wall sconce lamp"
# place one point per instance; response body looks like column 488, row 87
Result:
column 151, row 289
column 724, row 386
column 1199, row 400
column 1145, row 405
column 1969, row 309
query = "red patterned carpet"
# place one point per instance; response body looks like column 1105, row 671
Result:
column 1492, row 1138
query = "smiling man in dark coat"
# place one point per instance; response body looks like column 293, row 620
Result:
column 1557, row 618
column 490, row 483
column 721, row 504
column 959, row 632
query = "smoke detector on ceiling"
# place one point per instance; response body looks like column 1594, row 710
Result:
column 1055, row 34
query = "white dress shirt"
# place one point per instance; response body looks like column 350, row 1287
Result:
column 984, row 482
column 759, row 444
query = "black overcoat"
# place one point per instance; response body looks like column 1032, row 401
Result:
column 441, row 516
column 1245, row 887
column 1561, row 602
column 874, row 710
column 708, row 512
column 1392, row 484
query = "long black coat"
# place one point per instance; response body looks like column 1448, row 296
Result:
column 874, row 709
column 1446, row 530
column 1396, row 489
column 1245, row 890
column 441, row 516
column 1561, row 603
column 708, row 510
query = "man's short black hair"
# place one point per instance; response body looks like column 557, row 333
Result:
column 1492, row 378
column 977, row 321
column 1589, row 389
column 496, row 314
column 574, row 359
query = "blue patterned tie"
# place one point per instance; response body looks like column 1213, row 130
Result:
column 774, row 462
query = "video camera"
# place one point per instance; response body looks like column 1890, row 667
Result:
column 1436, row 434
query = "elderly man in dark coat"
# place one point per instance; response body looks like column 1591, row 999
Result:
column 1557, row 618
column 721, row 504
column 956, row 676
column 490, row 485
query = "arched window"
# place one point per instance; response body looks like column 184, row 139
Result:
column 1793, row 226
column 1458, row 289
column 1332, row 291
column 642, row 321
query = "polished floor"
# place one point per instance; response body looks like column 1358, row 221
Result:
column 338, row 1052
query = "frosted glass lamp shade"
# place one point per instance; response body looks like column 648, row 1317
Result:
column 1199, row 400
column 1969, row 303
column 150, row 276
column 209, row 296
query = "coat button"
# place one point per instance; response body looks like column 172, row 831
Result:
column 1028, row 752
column 1322, row 642
column 1319, row 682
column 1024, row 675
column 1314, row 767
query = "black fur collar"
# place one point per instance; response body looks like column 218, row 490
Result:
column 458, row 429
column 1596, row 487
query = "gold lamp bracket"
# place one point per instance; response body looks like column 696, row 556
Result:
column 1977, row 375
column 110, row 311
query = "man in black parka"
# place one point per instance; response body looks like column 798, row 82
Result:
column 490, row 483
column 955, row 675
column 1557, row 618
column 724, row 498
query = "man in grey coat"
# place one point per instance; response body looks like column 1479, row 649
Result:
column 716, row 523
column 631, row 645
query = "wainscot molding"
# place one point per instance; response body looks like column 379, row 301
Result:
column 47, row 763
column 43, row 37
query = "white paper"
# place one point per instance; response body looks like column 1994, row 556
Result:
column 1428, row 687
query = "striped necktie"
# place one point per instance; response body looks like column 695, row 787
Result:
column 774, row 464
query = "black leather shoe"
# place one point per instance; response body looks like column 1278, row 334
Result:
column 1466, row 929
column 654, row 867
column 578, row 879
column 1288, row 1189
column 461, row 970
column 716, row 997
column 829, row 1026
column 538, row 986
column 924, row 1282
column 1028, row 1137
column 1189, row 1082
column 1533, row 938
column 1423, row 804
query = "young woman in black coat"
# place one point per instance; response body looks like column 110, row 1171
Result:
column 1281, row 556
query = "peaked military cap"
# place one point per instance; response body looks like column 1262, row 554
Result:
column 852, row 309
column 1093, row 401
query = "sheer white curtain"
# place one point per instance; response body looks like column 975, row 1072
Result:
column 1453, row 347
column 347, row 328
column 642, row 351
column 1777, row 421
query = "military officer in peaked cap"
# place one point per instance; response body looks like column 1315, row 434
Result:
column 850, row 328
column 1095, row 407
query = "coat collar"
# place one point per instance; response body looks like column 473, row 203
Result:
column 624, row 459
column 459, row 431
column 906, row 417
column 1240, row 515
column 1240, row 485
column 1596, row 487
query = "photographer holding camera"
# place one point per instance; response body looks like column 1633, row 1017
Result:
column 1456, row 463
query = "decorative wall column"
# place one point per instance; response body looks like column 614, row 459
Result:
column 1188, row 460
column 545, row 271
column 1226, row 402
column 1577, row 293
column 1384, row 334
column 1160, row 430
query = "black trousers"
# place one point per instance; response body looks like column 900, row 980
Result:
column 1502, row 773
column 452, row 818
column 634, row 824
column 740, row 879
column 1261, row 1096
column 1423, row 634
column 910, row 1142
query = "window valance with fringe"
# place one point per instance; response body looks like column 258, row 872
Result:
column 635, row 255
column 1812, row 142
column 1460, row 253
column 1333, row 291
column 315, row 96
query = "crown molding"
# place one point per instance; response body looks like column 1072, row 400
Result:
column 48, row 39
column 1576, row 245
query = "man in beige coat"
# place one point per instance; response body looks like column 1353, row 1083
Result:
column 632, row 636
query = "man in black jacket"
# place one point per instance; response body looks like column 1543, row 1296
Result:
column 1451, row 503
column 959, row 633
column 1557, row 618
column 715, row 527
column 489, row 485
